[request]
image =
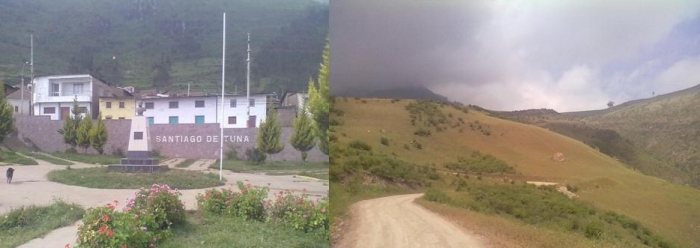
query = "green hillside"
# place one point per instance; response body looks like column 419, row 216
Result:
column 168, row 44
column 474, row 165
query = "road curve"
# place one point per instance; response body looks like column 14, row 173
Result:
column 396, row 221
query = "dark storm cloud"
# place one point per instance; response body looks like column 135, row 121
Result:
column 505, row 55
column 385, row 44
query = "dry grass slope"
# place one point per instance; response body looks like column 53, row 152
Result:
column 670, row 210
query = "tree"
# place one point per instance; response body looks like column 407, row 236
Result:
column 610, row 104
column 70, row 126
column 83, row 133
column 269, row 133
column 7, row 124
column 303, row 138
column 319, row 101
column 98, row 135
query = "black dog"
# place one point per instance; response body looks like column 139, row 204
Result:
column 9, row 174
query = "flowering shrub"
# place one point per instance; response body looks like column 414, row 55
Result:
column 105, row 227
column 296, row 211
column 248, row 203
column 161, row 202
column 299, row 212
column 146, row 219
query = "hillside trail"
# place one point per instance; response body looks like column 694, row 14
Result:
column 396, row 221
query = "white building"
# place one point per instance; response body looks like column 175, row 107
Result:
column 19, row 100
column 205, row 109
column 54, row 95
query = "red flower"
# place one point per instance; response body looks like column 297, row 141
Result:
column 105, row 217
column 109, row 233
column 102, row 229
column 67, row 246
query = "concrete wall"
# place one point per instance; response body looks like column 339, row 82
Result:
column 182, row 140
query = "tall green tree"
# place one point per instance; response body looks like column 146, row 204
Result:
column 83, row 133
column 70, row 126
column 7, row 122
column 98, row 135
column 319, row 101
column 269, row 133
column 303, row 138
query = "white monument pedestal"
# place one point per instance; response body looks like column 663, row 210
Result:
column 139, row 139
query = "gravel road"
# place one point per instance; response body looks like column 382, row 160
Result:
column 396, row 221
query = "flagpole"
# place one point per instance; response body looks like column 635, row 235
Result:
column 221, row 121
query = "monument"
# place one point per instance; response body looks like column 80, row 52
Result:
column 138, row 156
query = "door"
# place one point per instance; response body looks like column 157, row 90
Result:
column 65, row 112
column 251, row 121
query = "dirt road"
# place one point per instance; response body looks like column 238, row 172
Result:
column 397, row 221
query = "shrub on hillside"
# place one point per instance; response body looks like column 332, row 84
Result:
column 356, row 144
column 384, row 141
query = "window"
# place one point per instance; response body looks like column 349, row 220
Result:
column 231, row 120
column 199, row 104
column 138, row 135
column 198, row 119
column 149, row 105
column 233, row 103
column 252, row 103
column 55, row 90
column 49, row 110
column 174, row 104
column 122, row 118
column 108, row 104
column 16, row 109
column 109, row 117
column 121, row 104
column 78, row 88
column 150, row 120
column 82, row 110
column 173, row 120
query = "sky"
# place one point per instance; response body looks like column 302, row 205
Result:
column 513, row 55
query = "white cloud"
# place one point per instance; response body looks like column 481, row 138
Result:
column 682, row 74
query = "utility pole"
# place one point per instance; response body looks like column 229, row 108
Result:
column 221, row 121
column 247, row 80
column 31, row 69
column 21, row 88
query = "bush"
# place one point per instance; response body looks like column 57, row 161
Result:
column 255, row 155
column 360, row 145
column 384, row 141
column 422, row 132
column 160, row 201
column 146, row 219
column 232, row 153
column 247, row 203
column 300, row 213
column 594, row 230
column 435, row 195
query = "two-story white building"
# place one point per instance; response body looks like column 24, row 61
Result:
column 54, row 95
column 176, row 109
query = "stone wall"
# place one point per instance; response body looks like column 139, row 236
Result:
column 181, row 140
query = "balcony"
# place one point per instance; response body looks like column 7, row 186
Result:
column 57, row 97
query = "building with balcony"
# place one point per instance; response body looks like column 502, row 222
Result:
column 54, row 95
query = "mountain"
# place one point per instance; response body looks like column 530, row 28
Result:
column 472, row 163
column 407, row 92
column 167, row 44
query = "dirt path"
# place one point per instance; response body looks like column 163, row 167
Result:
column 396, row 221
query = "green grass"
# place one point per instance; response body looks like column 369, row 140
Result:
column 26, row 223
column 88, row 158
column 186, row 163
column 245, row 166
column 47, row 158
column 217, row 231
column 102, row 179
column 11, row 157
column 315, row 174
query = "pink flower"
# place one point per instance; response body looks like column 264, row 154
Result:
column 323, row 210
column 105, row 217
column 110, row 233
column 67, row 246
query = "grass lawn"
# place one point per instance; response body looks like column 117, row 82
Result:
column 47, row 158
column 11, row 157
column 245, row 166
column 24, row 224
column 185, row 163
column 204, row 231
column 88, row 158
column 102, row 179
